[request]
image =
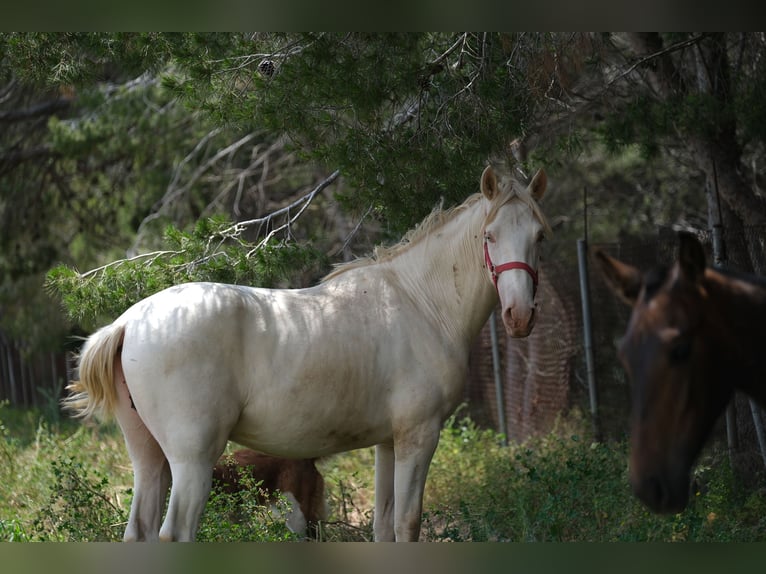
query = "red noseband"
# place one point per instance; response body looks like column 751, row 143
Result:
column 496, row 270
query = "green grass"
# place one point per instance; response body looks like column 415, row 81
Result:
column 65, row 481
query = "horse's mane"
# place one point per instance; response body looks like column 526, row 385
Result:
column 510, row 189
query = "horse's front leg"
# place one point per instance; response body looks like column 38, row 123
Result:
column 383, row 521
column 413, row 457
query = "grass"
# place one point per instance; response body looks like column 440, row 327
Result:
column 64, row 481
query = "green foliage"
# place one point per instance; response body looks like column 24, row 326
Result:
column 85, row 152
column 12, row 531
column 134, row 121
column 70, row 482
column 55, row 477
column 650, row 123
column 80, row 507
column 79, row 58
column 560, row 487
column 243, row 516
column 402, row 121
column 213, row 251
column 349, row 480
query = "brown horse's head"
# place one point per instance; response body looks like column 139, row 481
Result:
column 669, row 351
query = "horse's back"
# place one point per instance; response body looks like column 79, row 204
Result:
column 182, row 353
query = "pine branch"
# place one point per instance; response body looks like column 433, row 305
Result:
column 658, row 54
column 154, row 255
column 233, row 232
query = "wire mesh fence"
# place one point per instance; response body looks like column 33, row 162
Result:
column 545, row 375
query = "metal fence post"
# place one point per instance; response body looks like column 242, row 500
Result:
column 499, row 391
column 582, row 259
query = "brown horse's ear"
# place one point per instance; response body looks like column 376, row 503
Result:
column 691, row 256
column 625, row 280
column 538, row 185
column 489, row 183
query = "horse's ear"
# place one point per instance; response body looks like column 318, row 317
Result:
column 538, row 185
column 691, row 256
column 625, row 280
column 489, row 183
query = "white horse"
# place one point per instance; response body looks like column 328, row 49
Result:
column 376, row 354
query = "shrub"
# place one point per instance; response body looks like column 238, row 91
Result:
column 242, row 516
column 72, row 482
column 80, row 507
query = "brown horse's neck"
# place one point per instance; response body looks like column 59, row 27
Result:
column 739, row 302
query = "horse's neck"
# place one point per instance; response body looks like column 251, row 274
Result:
column 742, row 304
column 446, row 271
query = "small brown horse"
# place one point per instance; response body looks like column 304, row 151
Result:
column 694, row 337
column 298, row 480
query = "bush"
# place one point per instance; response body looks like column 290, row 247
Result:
column 72, row 482
column 561, row 487
column 80, row 507
column 242, row 516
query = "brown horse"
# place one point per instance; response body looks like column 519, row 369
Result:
column 298, row 480
column 694, row 337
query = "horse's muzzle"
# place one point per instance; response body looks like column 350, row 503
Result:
column 518, row 323
column 662, row 494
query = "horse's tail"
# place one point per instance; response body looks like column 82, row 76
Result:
column 95, row 392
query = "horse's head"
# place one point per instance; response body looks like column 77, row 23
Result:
column 669, row 352
column 513, row 231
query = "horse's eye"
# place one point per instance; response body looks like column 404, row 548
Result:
column 680, row 351
column 540, row 237
column 489, row 236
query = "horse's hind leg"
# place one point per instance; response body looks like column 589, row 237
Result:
column 192, row 481
column 192, row 453
column 151, row 473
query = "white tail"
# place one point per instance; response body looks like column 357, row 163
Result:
column 95, row 391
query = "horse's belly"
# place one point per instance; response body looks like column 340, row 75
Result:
column 295, row 437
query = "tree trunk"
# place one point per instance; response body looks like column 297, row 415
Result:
column 716, row 148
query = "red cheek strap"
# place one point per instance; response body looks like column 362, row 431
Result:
column 496, row 270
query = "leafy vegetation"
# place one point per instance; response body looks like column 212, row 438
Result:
column 73, row 483
column 213, row 251
column 139, row 137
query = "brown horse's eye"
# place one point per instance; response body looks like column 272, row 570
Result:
column 680, row 351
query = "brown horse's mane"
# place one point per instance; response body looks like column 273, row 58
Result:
column 655, row 278
column 756, row 280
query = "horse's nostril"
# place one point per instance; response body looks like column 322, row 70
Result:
column 514, row 314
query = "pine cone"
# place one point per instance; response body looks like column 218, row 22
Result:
column 267, row 68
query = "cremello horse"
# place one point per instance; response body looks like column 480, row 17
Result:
column 376, row 354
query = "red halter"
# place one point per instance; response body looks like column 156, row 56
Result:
column 496, row 270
